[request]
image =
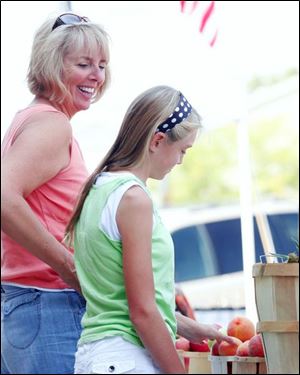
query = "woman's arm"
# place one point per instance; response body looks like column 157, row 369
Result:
column 40, row 151
column 197, row 332
column 134, row 219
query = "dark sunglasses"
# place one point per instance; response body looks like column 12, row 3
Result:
column 69, row 19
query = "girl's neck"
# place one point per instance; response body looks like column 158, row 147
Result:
column 139, row 172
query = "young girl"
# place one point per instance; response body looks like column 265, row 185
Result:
column 124, row 254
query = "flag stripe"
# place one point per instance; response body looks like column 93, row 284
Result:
column 188, row 6
column 206, row 15
column 203, row 12
column 212, row 42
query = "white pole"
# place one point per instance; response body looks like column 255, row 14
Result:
column 247, row 227
column 65, row 6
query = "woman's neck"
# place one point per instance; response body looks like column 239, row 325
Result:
column 41, row 100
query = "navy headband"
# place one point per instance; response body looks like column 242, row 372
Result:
column 182, row 110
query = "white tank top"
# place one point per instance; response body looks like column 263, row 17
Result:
column 107, row 221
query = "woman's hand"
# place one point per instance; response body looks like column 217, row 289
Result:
column 67, row 272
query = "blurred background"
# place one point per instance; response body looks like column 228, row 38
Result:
column 241, row 72
column 250, row 74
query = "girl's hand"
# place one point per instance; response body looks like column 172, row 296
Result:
column 216, row 334
column 197, row 332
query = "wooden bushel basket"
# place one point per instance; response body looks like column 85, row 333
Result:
column 237, row 365
column 277, row 304
column 195, row 362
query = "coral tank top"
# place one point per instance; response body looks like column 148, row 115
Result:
column 52, row 203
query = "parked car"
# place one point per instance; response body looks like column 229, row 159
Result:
column 208, row 249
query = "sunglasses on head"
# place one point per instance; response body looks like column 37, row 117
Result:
column 69, row 19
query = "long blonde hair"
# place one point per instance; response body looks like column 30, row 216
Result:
column 46, row 66
column 140, row 122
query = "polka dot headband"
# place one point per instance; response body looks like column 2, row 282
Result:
column 182, row 110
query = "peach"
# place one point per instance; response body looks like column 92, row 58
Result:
column 241, row 327
column 243, row 349
column 199, row 346
column 223, row 330
column 256, row 348
column 182, row 343
column 229, row 349
column 215, row 348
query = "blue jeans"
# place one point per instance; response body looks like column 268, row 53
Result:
column 39, row 330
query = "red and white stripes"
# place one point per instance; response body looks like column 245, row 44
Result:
column 204, row 13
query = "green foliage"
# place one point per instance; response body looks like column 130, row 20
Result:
column 275, row 155
column 210, row 171
column 264, row 81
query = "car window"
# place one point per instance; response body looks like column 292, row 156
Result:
column 226, row 239
column 215, row 248
column 227, row 242
column 193, row 256
column 210, row 249
column 284, row 229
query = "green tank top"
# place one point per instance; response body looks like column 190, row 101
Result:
column 99, row 266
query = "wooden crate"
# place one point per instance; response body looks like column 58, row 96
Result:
column 277, row 303
column 195, row 362
column 237, row 365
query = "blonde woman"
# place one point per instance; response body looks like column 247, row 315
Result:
column 42, row 174
column 124, row 254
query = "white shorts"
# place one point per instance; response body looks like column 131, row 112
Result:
column 113, row 355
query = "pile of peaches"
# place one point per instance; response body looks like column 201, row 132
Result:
column 246, row 342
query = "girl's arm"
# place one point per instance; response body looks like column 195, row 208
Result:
column 39, row 152
column 134, row 219
column 196, row 332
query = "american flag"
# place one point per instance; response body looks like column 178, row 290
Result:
column 204, row 13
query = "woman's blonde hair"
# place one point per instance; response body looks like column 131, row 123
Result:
column 144, row 115
column 46, row 68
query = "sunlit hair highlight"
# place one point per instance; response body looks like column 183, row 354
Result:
column 131, row 146
column 47, row 68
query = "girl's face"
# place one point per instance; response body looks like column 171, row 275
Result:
column 84, row 73
column 167, row 154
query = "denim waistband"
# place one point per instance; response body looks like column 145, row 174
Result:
column 12, row 288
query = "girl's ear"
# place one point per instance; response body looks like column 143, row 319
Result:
column 156, row 140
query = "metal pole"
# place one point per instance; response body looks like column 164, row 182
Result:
column 65, row 6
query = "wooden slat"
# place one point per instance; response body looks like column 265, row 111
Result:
column 275, row 269
column 262, row 368
column 249, row 359
column 244, row 368
column 278, row 326
column 202, row 355
column 237, row 365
